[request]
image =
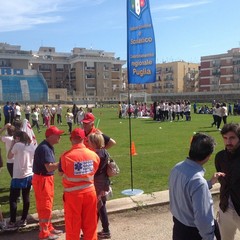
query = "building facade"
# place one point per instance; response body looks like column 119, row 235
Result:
column 88, row 75
column 176, row 77
column 171, row 77
column 220, row 72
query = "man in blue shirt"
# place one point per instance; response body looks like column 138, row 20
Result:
column 191, row 202
column 6, row 112
column 44, row 165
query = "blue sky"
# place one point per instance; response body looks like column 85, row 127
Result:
column 184, row 29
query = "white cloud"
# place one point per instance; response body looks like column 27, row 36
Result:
column 176, row 6
column 21, row 14
column 25, row 14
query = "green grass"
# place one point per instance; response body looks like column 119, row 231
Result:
column 159, row 147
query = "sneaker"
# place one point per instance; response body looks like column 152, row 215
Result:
column 3, row 225
column 50, row 237
column 11, row 226
column 58, row 232
column 104, row 235
column 22, row 223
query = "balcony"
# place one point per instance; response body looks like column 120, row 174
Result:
column 168, row 78
column 216, row 72
column 89, row 68
column 236, row 62
column 115, row 69
column 90, row 76
column 90, row 86
column 157, row 87
column 41, row 69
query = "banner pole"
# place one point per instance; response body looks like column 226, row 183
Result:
column 130, row 137
column 132, row 191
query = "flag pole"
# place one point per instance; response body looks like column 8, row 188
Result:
column 132, row 191
column 130, row 137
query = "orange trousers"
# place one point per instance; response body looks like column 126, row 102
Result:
column 80, row 211
column 44, row 192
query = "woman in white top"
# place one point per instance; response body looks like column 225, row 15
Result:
column 69, row 119
column 17, row 111
column 224, row 113
column 80, row 116
column 23, row 152
column 218, row 115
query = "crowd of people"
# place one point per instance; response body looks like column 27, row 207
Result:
column 86, row 185
column 160, row 111
column 83, row 169
column 46, row 115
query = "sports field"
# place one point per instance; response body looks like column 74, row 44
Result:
column 159, row 146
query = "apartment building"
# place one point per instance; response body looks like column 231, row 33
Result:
column 220, row 72
column 171, row 77
column 176, row 77
column 88, row 75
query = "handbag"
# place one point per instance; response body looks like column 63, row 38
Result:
column 112, row 168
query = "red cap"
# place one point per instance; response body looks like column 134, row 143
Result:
column 78, row 132
column 53, row 131
column 88, row 117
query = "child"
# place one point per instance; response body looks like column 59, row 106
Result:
column 69, row 118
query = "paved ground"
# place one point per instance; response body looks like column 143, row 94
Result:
column 142, row 217
column 151, row 223
column 145, row 224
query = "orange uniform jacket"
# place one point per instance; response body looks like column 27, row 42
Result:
column 79, row 165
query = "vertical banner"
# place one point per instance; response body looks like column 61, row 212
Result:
column 141, row 59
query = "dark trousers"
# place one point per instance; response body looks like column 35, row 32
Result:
column 69, row 127
column 214, row 120
column 224, row 118
column 59, row 118
column 183, row 232
column 218, row 121
column 27, row 116
column 102, row 214
column 35, row 123
column 7, row 119
column 14, row 194
column 10, row 169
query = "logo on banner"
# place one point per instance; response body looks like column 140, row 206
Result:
column 137, row 7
